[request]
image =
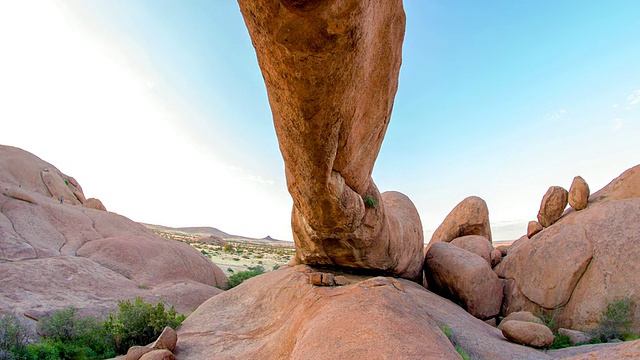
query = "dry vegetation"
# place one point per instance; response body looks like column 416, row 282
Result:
column 236, row 254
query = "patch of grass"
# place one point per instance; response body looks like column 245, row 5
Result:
column 463, row 353
column 237, row 278
column 446, row 330
column 369, row 201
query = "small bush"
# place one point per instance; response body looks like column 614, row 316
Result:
column 276, row 267
column 369, row 201
column 228, row 248
column 237, row 278
column 13, row 337
column 615, row 323
column 139, row 323
column 560, row 342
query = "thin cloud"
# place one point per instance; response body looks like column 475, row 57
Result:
column 634, row 98
column 556, row 116
column 618, row 124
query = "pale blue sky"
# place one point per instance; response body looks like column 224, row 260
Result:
column 158, row 107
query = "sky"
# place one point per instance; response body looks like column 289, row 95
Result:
column 158, row 107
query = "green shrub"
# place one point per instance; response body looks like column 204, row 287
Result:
column 13, row 337
column 64, row 335
column 369, row 201
column 140, row 323
column 228, row 248
column 615, row 323
column 237, row 278
column 560, row 342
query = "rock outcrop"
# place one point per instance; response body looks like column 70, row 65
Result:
column 552, row 206
column 377, row 318
column 469, row 217
column 465, row 277
column 54, row 255
column 331, row 73
column 581, row 263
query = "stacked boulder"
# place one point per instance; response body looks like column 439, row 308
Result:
column 459, row 258
column 554, row 202
column 582, row 259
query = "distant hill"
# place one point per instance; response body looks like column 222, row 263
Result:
column 203, row 231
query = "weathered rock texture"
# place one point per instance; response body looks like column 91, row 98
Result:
column 55, row 255
column 579, row 193
column 331, row 72
column 552, row 205
column 580, row 264
column 462, row 276
column 469, row 217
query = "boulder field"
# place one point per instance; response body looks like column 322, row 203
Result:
column 59, row 249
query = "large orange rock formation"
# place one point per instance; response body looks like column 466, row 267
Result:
column 57, row 254
column 331, row 72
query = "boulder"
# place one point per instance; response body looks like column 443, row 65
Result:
column 552, row 206
column 93, row 203
column 158, row 355
column 521, row 316
column 331, row 73
column 575, row 336
column 533, row 228
column 465, row 277
column 504, row 249
column 579, row 193
column 469, row 217
column 136, row 352
column 475, row 244
column 167, row 340
column 527, row 333
column 496, row 257
column 322, row 279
